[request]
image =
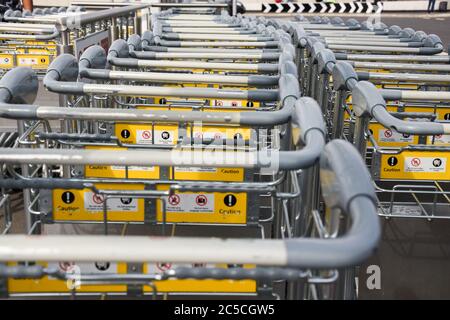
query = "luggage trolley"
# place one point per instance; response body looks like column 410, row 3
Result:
column 289, row 259
column 405, row 147
column 35, row 39
column 58, row 62
column 306, row 108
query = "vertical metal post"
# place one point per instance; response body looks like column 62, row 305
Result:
column 113, row 29
column 234, row 8
column 359, row 139
column 338, row 115
column 64, row 43
column 25, row 173
column 138, row 22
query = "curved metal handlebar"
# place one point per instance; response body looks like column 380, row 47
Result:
column 341, row 168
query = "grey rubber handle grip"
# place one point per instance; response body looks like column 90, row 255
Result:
column 369, row 102
column 21, row 85
column 268, row 274
column 325, row 61
column 119, row 49
column 93, row 57
column 344, row 76
column 134, row 42
column 41, row 183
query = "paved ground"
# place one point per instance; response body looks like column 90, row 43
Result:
column 438, row 23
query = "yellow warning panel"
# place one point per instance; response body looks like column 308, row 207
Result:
column 147, row 134
column 234, row 103
column 402, row 86
column 171, row 101
column 390, row 138
column 50, row 44
column 197, row 286
column 35, row 61
column 416, row 166
column 441, row 140
column 203, row 207
column 216, row 132
column 212, row 173
column 120, row 172
column 53, row 285
column 207, row 174
column 6, row 61
column 443, row 114
column 85, row 205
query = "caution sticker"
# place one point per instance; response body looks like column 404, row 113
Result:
column 216, row 286
column 208, row 174
column 85, row 205
column 439, row 139
column 33, row 61
column 120, row 172
column 52, row 285
column 204, row 207
column 6, row 61
column 192, row 203
column 95, row 203
column 425, row 164
column 443, row 114
column 391, row 138
column 147, row 134
column 416, row 166
column 234, row 103
column 218, row 133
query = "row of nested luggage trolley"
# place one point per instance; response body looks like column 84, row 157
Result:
column 229, row 156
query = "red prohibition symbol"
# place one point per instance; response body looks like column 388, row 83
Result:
column 98, row 199
column 201, row 200
column 174, row 199
column 415, row 162
column 388, row 133
column 163, row 266
column 146, row 135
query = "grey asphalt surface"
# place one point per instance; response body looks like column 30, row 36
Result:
column 438, row 25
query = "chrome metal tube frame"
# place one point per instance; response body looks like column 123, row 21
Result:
column 18, row 89
column 347, row 186
column 63, row 71
column 93, row 61
column 368, row 101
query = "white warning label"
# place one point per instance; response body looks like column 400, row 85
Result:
column 155, row 137
column 190, row 202
column 28, row 61
column 387, row 135
column 195, row 169
column 440, row 139
column 134, row 168
column 144, row 137
column 160, row 267
column 86, row 267
column 95, row 202
column 425, row 164
column 209, row 135
column 4, row 61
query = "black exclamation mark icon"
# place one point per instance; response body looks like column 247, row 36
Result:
column 392, row 161
column 230, row 200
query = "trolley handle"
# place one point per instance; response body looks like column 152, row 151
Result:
column 346, row 185
column 93, row 61
column 63, row 72
column 368, row 101
column 308, row 127
column 19, row 86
